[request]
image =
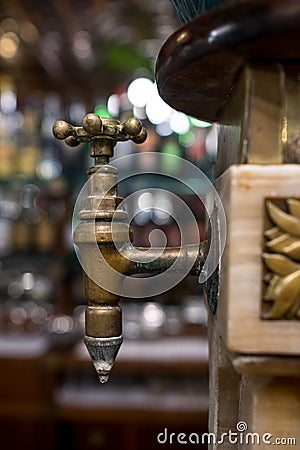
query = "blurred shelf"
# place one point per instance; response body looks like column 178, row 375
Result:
column 130, row 398
column 22, row 347
column 134, row 416
column 179, row 354
column 155, row 382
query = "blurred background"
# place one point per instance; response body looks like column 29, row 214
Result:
column 59, row 60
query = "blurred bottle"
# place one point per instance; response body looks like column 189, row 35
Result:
column 28, row 144
column 8, row 105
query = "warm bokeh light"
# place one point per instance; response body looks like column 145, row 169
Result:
column 9, row 43
column 29, row 32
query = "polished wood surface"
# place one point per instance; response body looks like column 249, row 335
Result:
column 198, row 65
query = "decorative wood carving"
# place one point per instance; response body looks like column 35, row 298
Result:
column 282, row 260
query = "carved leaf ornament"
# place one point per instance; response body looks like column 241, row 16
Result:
column 283, row 261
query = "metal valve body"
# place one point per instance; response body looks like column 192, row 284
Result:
column 103, row 229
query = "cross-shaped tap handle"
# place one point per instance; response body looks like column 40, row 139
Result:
column 101, row 133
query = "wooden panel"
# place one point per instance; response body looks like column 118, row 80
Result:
column 203, row 59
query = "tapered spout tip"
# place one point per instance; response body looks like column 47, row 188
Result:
column 103, row 352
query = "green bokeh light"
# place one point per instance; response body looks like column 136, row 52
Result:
column 102, row 111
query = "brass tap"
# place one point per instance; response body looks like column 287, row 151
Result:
column 103, row 223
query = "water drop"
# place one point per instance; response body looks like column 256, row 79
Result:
column 103, row 378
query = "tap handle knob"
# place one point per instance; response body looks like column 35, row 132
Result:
column 99, row 131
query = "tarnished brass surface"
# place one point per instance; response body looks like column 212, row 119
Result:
column 263, row 124
column 103, row 317
column 94, row 233
column 291, row 123
column 102, row 200
column 102, row 133
column 103, row 321
column 166, row 258
column 283, row 260
column 259, row 123
column 102, row 228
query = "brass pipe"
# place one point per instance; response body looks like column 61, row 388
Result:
column 157, row 260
